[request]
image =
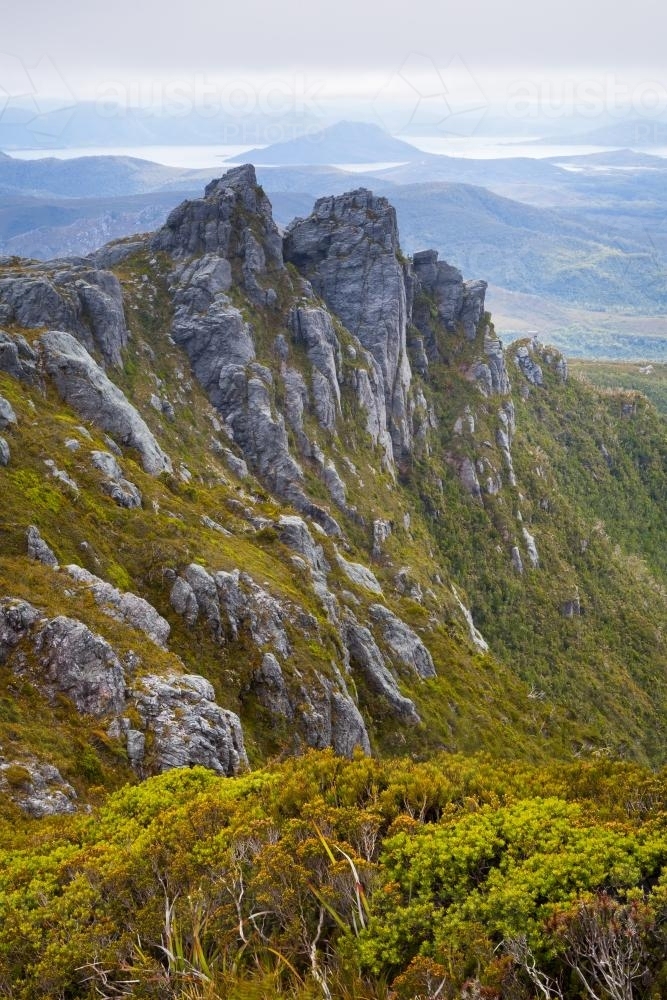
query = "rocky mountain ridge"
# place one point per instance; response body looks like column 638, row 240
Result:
column 266, row 463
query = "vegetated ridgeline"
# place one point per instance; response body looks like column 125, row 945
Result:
column 262, row 493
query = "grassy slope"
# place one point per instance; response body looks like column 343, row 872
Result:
column 553, row 685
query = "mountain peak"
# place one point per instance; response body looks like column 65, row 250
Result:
column 213, row 224
column 343, row 142
column 236, row 179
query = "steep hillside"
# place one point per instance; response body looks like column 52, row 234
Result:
column 263, row 494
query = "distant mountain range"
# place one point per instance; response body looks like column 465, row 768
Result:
column 93, row 176
column 634, row 132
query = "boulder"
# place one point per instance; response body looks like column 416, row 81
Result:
column 17, row 358
column 125, row 493
column 17, row 618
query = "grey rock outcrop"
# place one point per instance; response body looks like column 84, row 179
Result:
column 214, row 224
column 268, row 686
column 467, row 474
column 472, row 308
column 476, row 636
column 444, row 283
column 17, row 617
column 491, row 374
column 517, row 561
column 324, row 710
column 80, row 665
column 123, row 606
column 403, row 641
column 179, row 711
column 295, row 533
column 458, row 303
column 7, row 415
column 527, row 365
column 330, row 717
column 82, row 383
column 231, row 603
column 233, row 226
column 312, row 328
column 42, row 791
column 5, row 452
column 125, row 493
column 531, row 548
column 187, row 726
column 245, row 604
column 359, row 574
column 85, row 302
column 366, row 657
column 38, row 549
column 382, row 530
column 348, row 249
column 17, row 358
column 367, row 382
column 184, row 601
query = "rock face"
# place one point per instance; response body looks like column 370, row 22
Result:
column 235, row 608
column 404, row 643
column 528, row 367
column 477, row 638
column 348, row 249
column 295, row 533
column 187, row 726
column 313, row 329
column 367, row 658
column 491, row 373
column 233, row 228
column 458, row 302
column 17, row 358
column 81, row 665
column 85, row 302
column 330, row 717
column 83, row 384
column 218, row 224
column 359, row 574
column 16, row 619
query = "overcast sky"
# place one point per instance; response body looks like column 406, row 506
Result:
column 354, row 41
